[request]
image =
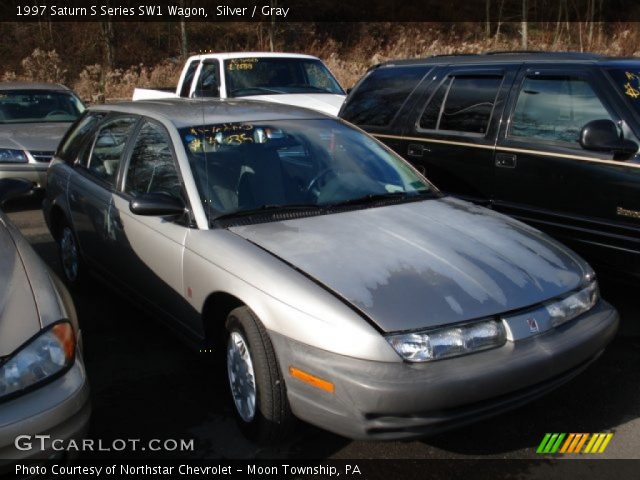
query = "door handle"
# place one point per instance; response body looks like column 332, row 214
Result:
column 417, row 150
column 505, row 160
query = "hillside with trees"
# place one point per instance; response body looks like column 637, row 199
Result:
column 107, row 60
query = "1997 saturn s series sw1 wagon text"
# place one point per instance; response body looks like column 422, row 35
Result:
column 340, row 285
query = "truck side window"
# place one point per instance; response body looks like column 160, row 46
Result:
column 463, row 103
column 188, row 78
column 109, row 146
column 381, row 95
column 151, row 168
column 208, row 83
column 555, row 109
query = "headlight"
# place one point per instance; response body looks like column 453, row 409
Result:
column 449, row 341
column 570, row 307
column 12, row 156
column 44, row 356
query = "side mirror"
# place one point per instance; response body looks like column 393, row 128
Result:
column 14, row 187
column 603, row 136
column 156, row 205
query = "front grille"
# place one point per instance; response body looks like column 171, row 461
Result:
column 43, row 157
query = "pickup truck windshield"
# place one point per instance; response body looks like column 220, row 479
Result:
column 264, row 75
column 38, row 106
column 285, row 164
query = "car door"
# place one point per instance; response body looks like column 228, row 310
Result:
column 93, row 183
column 452, row 132
column 147, row 251
column 544, row 176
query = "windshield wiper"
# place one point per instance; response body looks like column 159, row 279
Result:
column 259, row 89
column 376, row 197
column 269, row 209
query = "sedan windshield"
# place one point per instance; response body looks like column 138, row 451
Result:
column 246, row 168
column 260, row 76
column 38, row 106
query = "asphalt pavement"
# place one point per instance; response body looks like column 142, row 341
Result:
column 145, row 384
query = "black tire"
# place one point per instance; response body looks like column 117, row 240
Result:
column 65, row 233
column 273, row 420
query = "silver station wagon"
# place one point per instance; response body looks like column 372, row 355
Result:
column 337, row 283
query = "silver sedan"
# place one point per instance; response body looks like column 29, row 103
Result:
column 44, row 393
column 337, row 283
column 33, row 119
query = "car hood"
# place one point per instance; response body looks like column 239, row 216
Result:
column 423, row 264
column 33, row 136
column 328, row 103
column 19, row 319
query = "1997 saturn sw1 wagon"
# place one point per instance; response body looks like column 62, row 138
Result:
column 550, row 138
column 340, row 285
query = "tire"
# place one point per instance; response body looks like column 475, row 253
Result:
column 71, row 263
column 249, row 350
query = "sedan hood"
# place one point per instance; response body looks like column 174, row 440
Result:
column 328, row 103
column 19, row 319
column 33, row 136
column 424, row 264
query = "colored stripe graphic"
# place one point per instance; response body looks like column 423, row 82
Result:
column 574, row 443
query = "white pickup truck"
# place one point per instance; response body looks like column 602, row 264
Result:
column 292, row 79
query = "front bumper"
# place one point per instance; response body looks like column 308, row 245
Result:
column 385, row 401
column 33, row 172
column 60, row 409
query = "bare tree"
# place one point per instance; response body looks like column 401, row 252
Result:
column 523, row 25
column 487, row 26
column 108, row 43
column 272, row 26
column 184, row 42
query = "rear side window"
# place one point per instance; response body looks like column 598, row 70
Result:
column 555, row 109
column 379, row 98
column 109, row 146
column 73, row 141
column 462, row 103
column 188, row 78
column 208, row 82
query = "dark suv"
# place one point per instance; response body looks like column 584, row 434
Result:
column 550, row 138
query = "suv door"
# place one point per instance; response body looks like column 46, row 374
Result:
column 148, row 250
column 544, row 177
column 453, row 129
column 92, row 185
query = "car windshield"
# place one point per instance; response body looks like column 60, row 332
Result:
column 243, row 168
column 627, row 80
column 264, row 75
column 39, row 106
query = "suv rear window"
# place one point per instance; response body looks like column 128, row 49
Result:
column 463, row 103
column 379, row 97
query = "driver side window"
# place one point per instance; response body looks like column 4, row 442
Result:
column 152, row 168
column 555, row 109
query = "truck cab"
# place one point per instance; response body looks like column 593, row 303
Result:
column 292, row 79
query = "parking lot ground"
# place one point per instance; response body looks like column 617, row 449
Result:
column 145, row 384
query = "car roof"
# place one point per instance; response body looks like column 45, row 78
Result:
column 33, row 86
column 189, row 112
column 228, row 55
column 508, row 57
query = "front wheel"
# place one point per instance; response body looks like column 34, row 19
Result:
column 70, row 257
column 257, row 387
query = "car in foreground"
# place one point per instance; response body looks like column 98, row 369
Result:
column 43, row 383
column 33, row 119
column 337, row 283
column 289, row 78
column 549, row 138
